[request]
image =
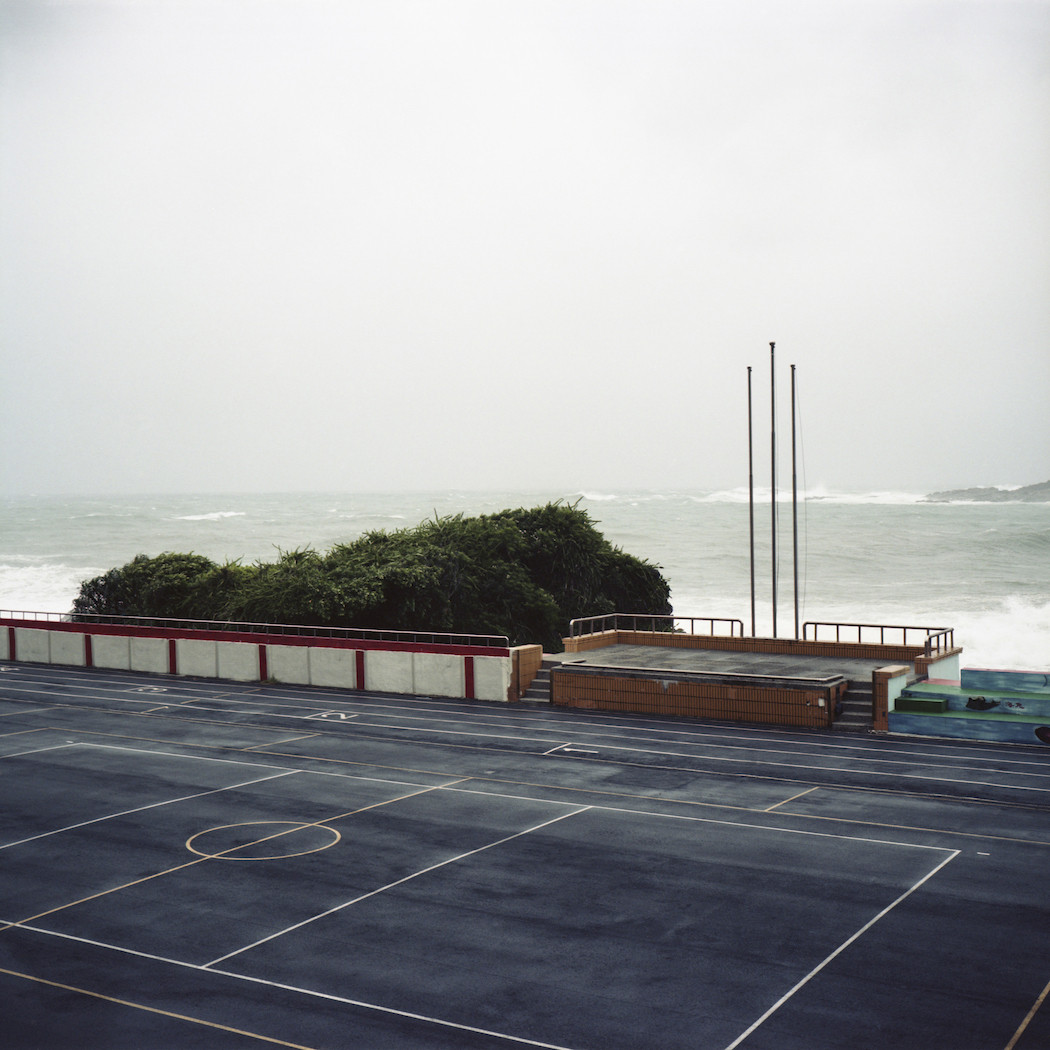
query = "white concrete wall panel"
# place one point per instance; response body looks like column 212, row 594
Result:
column 5, row 643
column 67, row 647
column 947, row 668
column 32, row 646
column 492, row 677
column 238, row 661
column 289, row 663
column 149, row 655
column 196, row 658
column 387, row 672
column 438, row 674
column 334, row 668
column 111, row 650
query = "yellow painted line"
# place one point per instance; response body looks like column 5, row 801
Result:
column 154, row 1010
column 290, row 740
column 217, row 856
column 787, row 800
column 916, row 827
column 1041, row 998
column 22, row 732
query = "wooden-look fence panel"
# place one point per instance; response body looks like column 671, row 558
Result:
column 790, row 705
column 526, row 661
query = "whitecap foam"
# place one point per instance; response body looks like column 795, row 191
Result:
column 217, row 515
column 42, row 588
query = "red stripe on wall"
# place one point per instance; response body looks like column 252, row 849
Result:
column 89, row 654
column 261, row 637
column 172, row 657
column 263, row 669
column 468, row 675
column 360, row 663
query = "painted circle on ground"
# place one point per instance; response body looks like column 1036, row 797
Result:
column 262, row 840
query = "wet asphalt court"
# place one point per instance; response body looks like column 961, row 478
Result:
column 190, row 863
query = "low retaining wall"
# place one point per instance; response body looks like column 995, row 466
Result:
column 416, row 668
column 728, row 698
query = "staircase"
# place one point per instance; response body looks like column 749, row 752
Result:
column 539, row 691
column 856, row 709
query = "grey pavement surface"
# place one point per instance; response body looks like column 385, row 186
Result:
column 658, row 657
column 189, row 863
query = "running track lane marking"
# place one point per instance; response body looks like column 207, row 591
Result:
column 839, row 950
column 398, row 882
column 1040, row 999
column 154, row 1010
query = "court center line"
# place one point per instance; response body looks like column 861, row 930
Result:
column 399, row 882
column 153, row 1009
column 839, row 950
column 220, row 855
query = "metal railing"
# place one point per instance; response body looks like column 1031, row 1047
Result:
column 933, row 639
column 656, row 622
column 486, row 641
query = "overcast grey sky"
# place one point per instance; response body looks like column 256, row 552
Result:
column 339, row 245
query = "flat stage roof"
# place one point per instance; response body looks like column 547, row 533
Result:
column 666, row 658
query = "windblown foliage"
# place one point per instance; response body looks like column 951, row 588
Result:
column 522, row 573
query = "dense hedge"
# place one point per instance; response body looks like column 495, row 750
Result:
column 522, row 573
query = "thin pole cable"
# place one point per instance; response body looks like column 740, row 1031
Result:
column 773, row 473
column 794, row 504
column 805, row 507
column 751, row 498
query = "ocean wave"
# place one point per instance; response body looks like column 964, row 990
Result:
column 42, row 588
column 598, row 497
column 217, row 515
column 816, row 495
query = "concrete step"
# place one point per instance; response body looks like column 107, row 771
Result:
column 539, row 691
column 856, row 709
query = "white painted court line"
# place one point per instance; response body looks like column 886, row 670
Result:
column 838, row 951
column 40, row 750
column 143, row 809
column 345, row 1000
column 830, row 769
column 399, row 882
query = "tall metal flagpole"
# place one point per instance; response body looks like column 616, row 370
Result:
column 773, row 470
column 751, row 497
column 794, row 495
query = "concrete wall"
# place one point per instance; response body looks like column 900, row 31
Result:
column 237, row 661
column 424, row 670
column 68, row 649
column 492, row 679
column 148, row 654
column 112, row 651
column 33, row 646
column 334, row 668
column 289, row 663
